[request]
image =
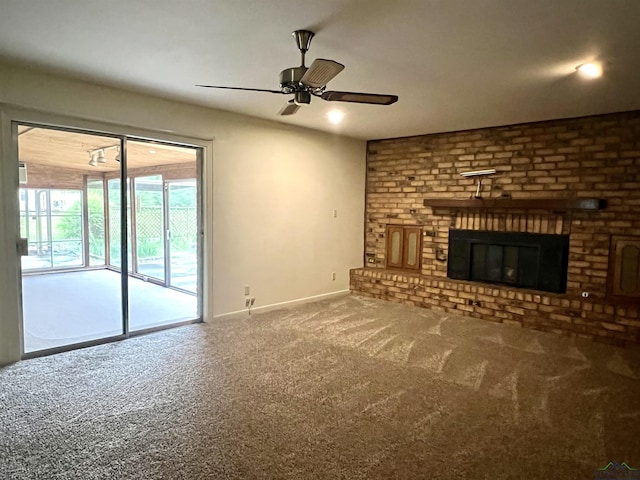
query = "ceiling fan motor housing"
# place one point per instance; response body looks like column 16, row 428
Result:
column 290, row 78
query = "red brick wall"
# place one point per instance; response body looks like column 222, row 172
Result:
column 587, row 157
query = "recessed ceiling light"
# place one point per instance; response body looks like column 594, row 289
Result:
column 335, row 116
column 152, row 152
column 590, row 70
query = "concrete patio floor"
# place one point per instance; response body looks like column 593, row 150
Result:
column 66, row 308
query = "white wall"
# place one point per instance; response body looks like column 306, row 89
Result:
column 274, row 191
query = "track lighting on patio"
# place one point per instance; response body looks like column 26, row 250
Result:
column 98, row 155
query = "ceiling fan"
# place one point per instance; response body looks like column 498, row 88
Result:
column 304, row 82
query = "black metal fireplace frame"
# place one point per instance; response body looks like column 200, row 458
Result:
column 551, row 265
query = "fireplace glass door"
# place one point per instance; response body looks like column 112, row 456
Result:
column 508, row 264
column 523, row 260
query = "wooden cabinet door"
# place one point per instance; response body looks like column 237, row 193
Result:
column 395, row 246
column 404, row 247
column 412, row 251
column 625, row 281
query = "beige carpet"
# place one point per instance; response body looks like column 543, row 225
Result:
column 348, row 388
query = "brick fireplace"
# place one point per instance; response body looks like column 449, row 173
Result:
column 577, row 179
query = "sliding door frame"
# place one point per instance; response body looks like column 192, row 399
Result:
column 11, row 319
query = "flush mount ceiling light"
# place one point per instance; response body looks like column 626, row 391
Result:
column 590, row 70
column 335, row 116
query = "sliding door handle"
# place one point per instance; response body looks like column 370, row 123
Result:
column 23, row 247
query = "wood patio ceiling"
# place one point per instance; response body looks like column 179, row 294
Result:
column 64, row 149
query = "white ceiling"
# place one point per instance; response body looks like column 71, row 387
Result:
column 455, row 64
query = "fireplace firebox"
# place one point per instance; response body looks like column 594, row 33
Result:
column 523, row 260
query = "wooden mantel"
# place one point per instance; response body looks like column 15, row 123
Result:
column 518, row 204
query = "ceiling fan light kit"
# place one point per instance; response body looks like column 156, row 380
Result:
column 301, row 98
column 304, row 82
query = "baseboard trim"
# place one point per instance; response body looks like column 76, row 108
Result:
column 274, row 306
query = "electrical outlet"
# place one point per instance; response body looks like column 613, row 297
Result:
column 247, row 290
column 253, row 299
column 247, row 302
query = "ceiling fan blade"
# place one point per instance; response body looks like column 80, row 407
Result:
column 354, row 97
column 321, row 72
column 289, row 109
column 246, row 89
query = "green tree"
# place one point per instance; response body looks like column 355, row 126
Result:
column 69, row 226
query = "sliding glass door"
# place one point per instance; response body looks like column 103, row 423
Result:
column 87, row 202
column 65, row 299
column 164, row 234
